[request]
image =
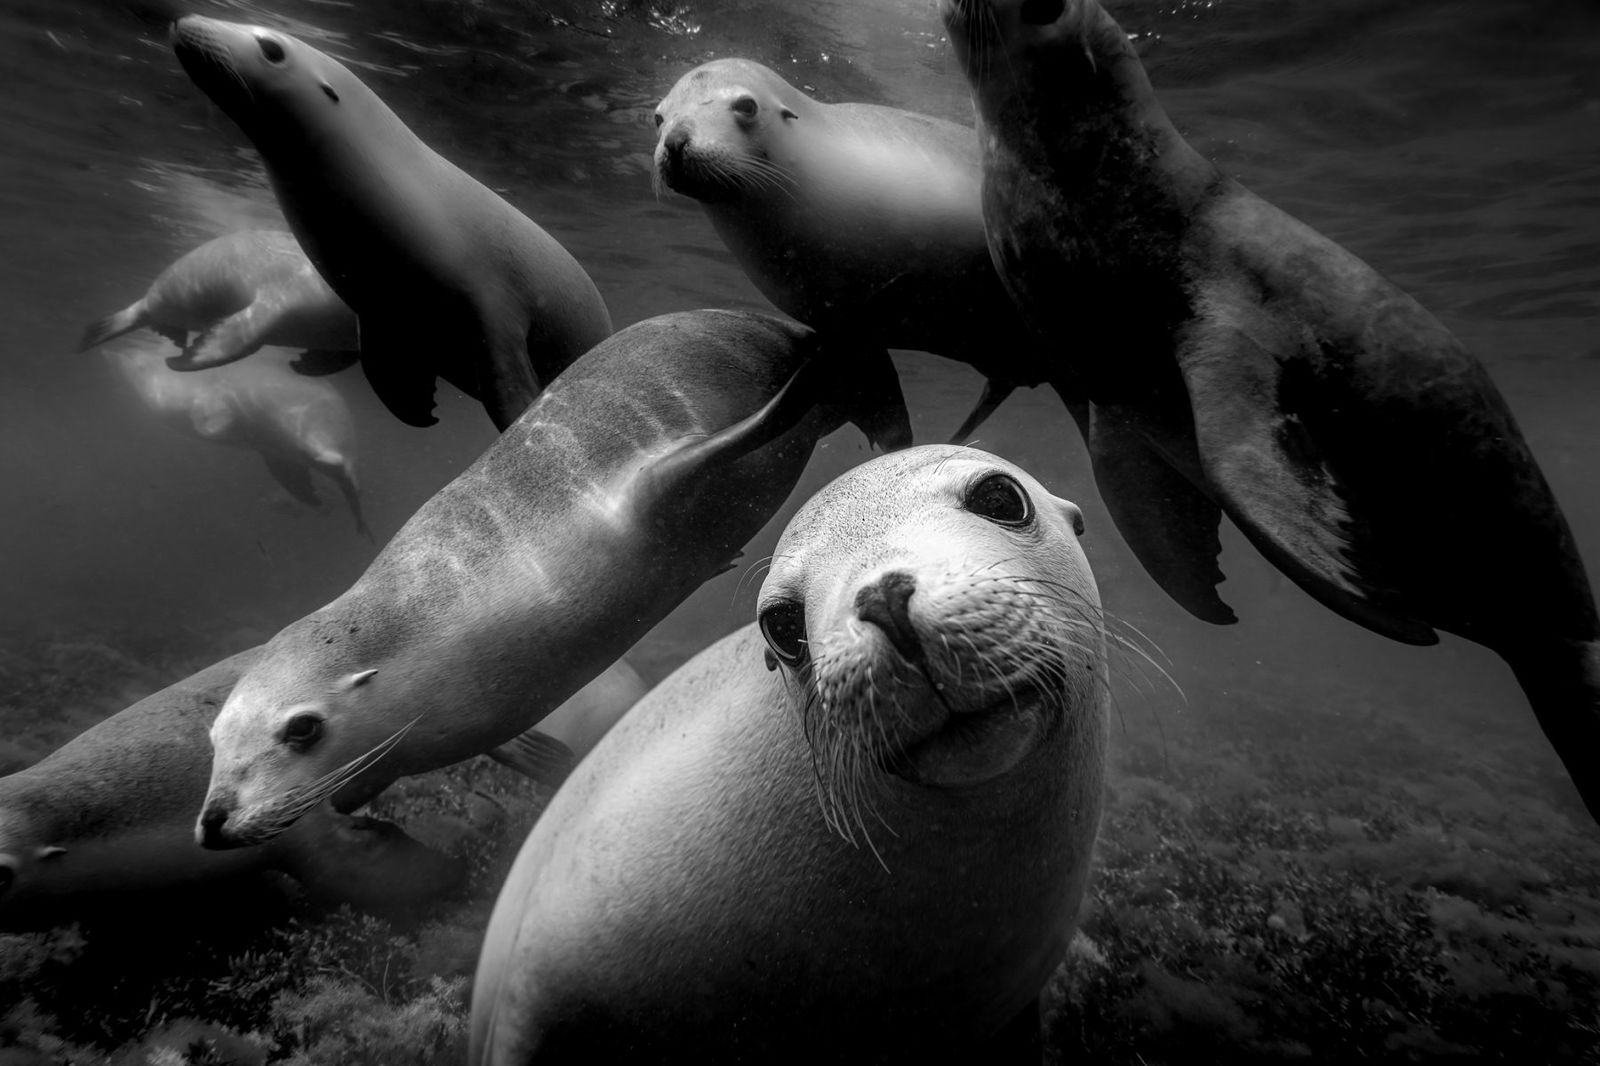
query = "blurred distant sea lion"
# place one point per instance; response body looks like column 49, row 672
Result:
column 111, row 813
column 863, row 840
column 855, row 217
column 637, row 476
column 238, row 292
column 1239, row 362
column 296, row 424
column 449, row 280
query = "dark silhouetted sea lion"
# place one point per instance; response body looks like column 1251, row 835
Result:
column 449, row 280
column 863, row 839
column 638, row 475
column 1239, row 362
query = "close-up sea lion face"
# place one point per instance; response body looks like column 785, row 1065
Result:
column 279, row 751
column 716, row 129
column 255, row 72
column 938, row 611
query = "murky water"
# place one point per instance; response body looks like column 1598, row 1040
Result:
column 1453, row 145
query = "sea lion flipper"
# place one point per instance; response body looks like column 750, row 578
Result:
column 536, row 755
column 1271, row 478
column 994, row 394
column 1170, row 525
column 116, row 324
column 225, row 341
column 295, row 479
column 862, row 380
column 403, row 384
column 319, row 362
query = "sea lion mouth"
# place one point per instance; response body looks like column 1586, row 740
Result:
column 219, row 829
column 715, row 175
column 207, row 60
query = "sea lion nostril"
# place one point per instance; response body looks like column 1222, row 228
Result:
column 886, row 604
column 211, row 822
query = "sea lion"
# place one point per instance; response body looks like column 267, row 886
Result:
column 237, row 293
column 851, row 217
column 111, row 814
column 1253, row 367
column 296, row 424
column 855, row 831
column 637, row 476
column 449, row 280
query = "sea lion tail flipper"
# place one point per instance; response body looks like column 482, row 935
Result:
column 403, row 384
column 536, row 755
column 295, row 479
column 222, row 342
column 101, row 330
column 319, row 362
column 1269, row 473
column 1562, row 681
column 994, row 394
column 1170, row 525
column 368, row 863
column 862, row 381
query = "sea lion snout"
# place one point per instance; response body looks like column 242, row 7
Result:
column 886, row 603
column 212, row 831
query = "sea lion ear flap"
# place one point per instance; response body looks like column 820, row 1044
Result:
column 862, row 383
column 49, row 851
column 1071, row 513
column 359, row 678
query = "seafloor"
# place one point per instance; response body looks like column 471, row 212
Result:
column 1279, row 879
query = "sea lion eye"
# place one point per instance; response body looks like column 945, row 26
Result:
column 302, row 731
column 271, row 49
column 745, row 106
column 783, row 626
column 1041, row 12
column 659, row 119
column 1000, row 499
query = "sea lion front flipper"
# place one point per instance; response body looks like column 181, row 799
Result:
column 319, row 362
column 536, row 755
column 994, row 394
column 1170, row 525
column 116, row 324
column 865, row 385
column 224, row 341
column 400, row 380
column 1268, row 473
column 295, row 479
column 368, row 863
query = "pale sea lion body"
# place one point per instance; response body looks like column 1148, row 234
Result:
column 111, row 813
column 296, row 424
column 238, row 292
column 1262, row 371
column 636, row 477
column 690, row 894
column 846, row 216
column 448, row 279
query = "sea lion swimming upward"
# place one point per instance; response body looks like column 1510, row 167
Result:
column 296, row 424
column 850, row 217
column 1255, row 368
column 857, row 831
column 637, row 476
column 239, row 292
column 448, row 279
